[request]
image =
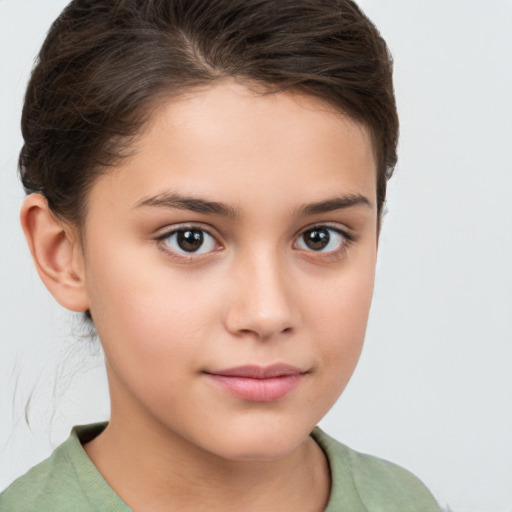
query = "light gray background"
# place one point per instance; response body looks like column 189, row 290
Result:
column 433, row 390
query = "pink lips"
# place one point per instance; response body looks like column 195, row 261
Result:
column 256, row 383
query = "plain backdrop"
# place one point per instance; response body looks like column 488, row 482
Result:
column 433, row 390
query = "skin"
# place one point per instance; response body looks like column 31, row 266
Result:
column 256, row 293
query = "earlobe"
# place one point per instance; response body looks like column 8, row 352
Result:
column 56, row 253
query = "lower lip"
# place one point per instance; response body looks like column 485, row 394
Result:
column 258, row 390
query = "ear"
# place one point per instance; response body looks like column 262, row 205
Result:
column 56, row 253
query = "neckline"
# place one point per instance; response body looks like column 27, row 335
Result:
column 104, row 498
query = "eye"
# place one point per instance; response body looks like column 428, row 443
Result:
column 187, row 241
column 322, row 239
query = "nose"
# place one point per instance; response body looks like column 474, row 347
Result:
column 261, row 300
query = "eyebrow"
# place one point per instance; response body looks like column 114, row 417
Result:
column 194, row 204
column 336, row 203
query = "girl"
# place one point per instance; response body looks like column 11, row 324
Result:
column 206, row 181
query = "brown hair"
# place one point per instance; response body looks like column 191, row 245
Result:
column 105, row 64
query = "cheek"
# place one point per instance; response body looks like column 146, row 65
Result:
column 339, row 315
column 149, row 317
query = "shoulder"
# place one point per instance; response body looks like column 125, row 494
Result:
column 374, row 483
column 40, row 488
column 66, row 481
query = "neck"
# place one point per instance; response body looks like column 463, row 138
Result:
column 163, row 471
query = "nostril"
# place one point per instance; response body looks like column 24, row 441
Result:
column 263, row 333
column 264, row 309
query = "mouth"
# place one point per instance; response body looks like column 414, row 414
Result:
column 258, row 383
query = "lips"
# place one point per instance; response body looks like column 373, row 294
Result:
column 257, row 383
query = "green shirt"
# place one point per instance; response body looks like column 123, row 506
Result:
column 69, row 481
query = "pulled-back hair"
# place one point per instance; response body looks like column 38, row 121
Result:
column 107, row 64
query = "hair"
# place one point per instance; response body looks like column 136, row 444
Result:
column 105, row 66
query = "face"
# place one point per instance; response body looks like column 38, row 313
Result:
column 229, row 267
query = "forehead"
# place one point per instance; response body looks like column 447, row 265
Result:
column 228, row 140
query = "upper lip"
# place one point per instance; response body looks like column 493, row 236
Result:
column 259, row 372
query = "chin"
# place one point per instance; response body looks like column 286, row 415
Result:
column 259, row 444
column 259, row 453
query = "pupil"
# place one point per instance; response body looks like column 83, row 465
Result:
column 317, row 239
column 190, row 240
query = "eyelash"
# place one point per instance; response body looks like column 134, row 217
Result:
column 347, row 241
column 182, row 257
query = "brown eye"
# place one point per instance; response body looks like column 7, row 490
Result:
column 316, row 239
column 189, row 241
column 321, row 239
